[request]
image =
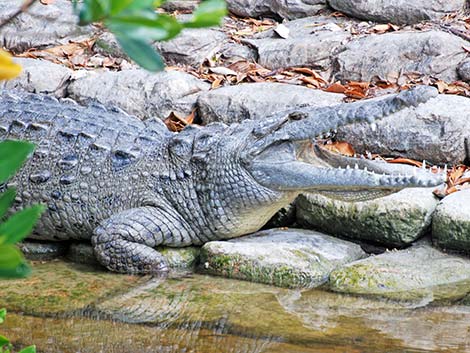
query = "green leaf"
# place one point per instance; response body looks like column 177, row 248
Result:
column 6, row 200
column 92, row 11
column 12, row 262
column 118, row 6
column 3, row 314
column 20, row 224
column 12, row 156
column 21, row 271
column 208, row 13
column 30, row 349
column 3, row 341
column 145, row 26
column 142, row 53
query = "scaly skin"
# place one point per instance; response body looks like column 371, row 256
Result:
column 130, row 186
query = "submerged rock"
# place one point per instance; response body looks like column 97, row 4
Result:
column 436, row 131
column 140, row 92
column 400, row 12
column 420, row 274
column 286, row 258
column 59, row 288
column 394, row 220
column 41, row 26
column 311, row 42
column 40, row 76
column 276, row 8
column 258, row 100
column 390, row 55
column 451, row 222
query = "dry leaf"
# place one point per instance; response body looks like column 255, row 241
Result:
column 341, row 147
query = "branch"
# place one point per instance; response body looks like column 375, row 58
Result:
column 26, row 5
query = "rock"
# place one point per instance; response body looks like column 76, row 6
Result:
column 390, row 55
column 394, row 220
column 180, row 5
column 275, row 8
column 57, row 288
column 311, row 42
column 285, row 258
column 40, row 26
column 139, row 92
column 419, row 274
column 437, row 131
column 177, row 258
column 258, row 100
column 464, row 71
column 40, row 76
column 191, row 47
column 400, row 12
column 37, row 251
column 451, row 222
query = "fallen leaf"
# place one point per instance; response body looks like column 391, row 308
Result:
column 176, row 123
column 340, row 147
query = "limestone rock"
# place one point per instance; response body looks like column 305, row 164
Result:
column 394, row 220
column 451, row 222
column 38, row 251
column 40, row 26
column 419, row 274
column 139, row 92
column 258, row 100
column 311, row 42
column 397, row 11
column 285, row 258
column 464, row 71
column 433, row 53
column 437, row 131
column 40, row 76
column 180, row 5
column 275, row 8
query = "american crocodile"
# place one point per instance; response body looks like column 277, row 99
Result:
column 131, row 185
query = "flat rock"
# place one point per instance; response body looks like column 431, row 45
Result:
column 139, row 92
column 258, row 100
column 400, row 12
column 40, row 76
column 451, row 222
column 285, row 258
column 464, row 71
column 311, row 42
column 394, row 220
column 436, row 131
column 177, row 258
column 389, row 55
column 418, row 274
column 57, row 288
column 276, row 8
column 41, row 26
column 181, row 5
column 38, row 251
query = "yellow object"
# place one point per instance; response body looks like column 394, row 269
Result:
column 8, row 68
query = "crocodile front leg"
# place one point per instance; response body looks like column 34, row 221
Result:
column 125, row 242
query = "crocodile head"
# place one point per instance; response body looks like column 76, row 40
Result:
column 281, row 153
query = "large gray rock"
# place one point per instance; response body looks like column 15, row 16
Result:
column 464, row 71
column 389, row 55
column 285, row 258
column 397, row 11
column 451, row 222
column 311, row 42
column 40, row 76
column 258, row 100
column 437, row 131
column 394, row 220
column 40, row 26
column 191, row 47
column 139, row 92
column 419, row 274
column 276, row 8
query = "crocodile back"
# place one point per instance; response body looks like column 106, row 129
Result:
column 85, row 162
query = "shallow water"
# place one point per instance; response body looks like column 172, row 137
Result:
column 209, row 314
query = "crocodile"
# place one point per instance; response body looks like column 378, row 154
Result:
column 130, row 185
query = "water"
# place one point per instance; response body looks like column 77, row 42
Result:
column 208, row 314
